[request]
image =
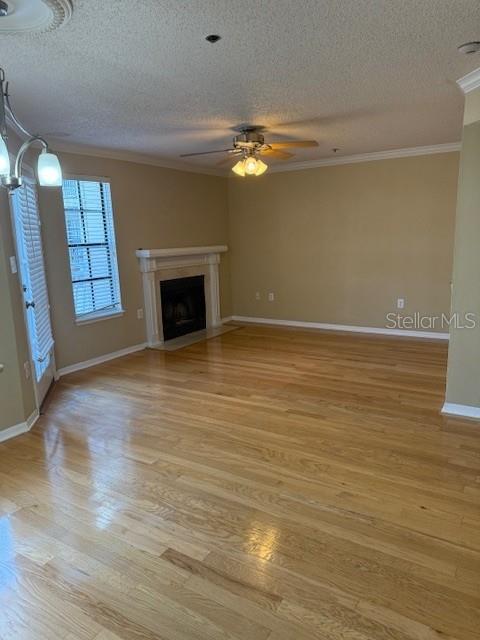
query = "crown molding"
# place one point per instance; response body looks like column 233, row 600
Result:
column 132, row 156
column 447, row 147
column 470, row 82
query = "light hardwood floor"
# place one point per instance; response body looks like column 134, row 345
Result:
column 269, row 483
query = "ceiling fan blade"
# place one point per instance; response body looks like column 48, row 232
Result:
column 293, row 143
column 230, row 158
column 203, row 153
column 276, row 153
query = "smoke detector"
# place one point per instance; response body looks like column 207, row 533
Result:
column 31, row 16
column 469, row 47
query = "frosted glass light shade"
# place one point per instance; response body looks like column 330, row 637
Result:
column 4, row 159
column 261, row 167
column 49, row 170
column 239, row 168
column 250, row 165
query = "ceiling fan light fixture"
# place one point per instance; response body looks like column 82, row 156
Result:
column 239, row 168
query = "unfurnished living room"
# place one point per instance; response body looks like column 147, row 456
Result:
column 239, row 320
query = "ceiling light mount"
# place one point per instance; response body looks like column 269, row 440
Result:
column 249, row 137
column 33, row 16
column 48, row 168
column 469, row 47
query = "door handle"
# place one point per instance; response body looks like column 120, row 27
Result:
column 29, row 303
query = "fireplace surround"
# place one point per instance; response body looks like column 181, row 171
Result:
column 161, row 265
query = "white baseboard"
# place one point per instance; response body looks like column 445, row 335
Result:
column 461, row 410
column 227, row 319
column 432, row 335
column 105, row 358
column 21, row 427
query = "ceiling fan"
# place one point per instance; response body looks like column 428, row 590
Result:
column 248, row 148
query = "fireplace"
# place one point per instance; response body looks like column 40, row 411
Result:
column 159, row 266
column 183, row 306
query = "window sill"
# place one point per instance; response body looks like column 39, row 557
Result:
column 98, row 317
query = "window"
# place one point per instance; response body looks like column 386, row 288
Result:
column 91, row 248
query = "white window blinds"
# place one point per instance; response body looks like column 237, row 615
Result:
column 91, row 247
column 29, row 241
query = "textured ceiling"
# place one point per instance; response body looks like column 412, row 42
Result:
column 361, row 75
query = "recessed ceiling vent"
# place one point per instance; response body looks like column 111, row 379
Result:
column 33, row 16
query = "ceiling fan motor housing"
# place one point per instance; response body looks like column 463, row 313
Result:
column 249, row 139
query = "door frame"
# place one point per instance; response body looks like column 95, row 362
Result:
column 30, row 174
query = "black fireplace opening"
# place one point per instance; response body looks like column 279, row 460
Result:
column 183, row 306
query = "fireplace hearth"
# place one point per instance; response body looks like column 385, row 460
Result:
column 183, row 306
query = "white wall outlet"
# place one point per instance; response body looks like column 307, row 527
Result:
column 400, row 303
column 257, row 295
column 27, row 369
column 13, row 264
column 139, row 314
column 271, row 296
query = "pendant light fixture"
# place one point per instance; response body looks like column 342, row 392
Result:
column 48, row 167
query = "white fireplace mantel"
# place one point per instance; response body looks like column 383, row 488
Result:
column 165, row 264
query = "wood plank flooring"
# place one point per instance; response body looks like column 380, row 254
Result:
column 266, row 484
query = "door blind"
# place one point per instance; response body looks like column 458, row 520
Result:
column 29, row 241
column 91, row 246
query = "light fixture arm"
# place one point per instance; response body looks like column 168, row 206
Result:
column 17, row 174
column 11, row 115
column 49, row 170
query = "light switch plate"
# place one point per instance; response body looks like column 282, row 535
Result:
column 13, row 264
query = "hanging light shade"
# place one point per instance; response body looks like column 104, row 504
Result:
column 49, row 170
column 4, row 159
column 239, row 168
column 261, row 167
column 250, row 165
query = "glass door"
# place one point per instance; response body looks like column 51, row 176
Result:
column 33, row 281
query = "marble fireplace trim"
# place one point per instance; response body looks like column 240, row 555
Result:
column 165, row 264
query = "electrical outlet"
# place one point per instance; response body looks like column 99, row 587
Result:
column 139, row 314
column 257, row 295
column 400, row 303
column 271, row 296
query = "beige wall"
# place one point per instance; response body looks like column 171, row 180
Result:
column 336, row 245
column 340, row 244
column 153, row 208
column 463, row 376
